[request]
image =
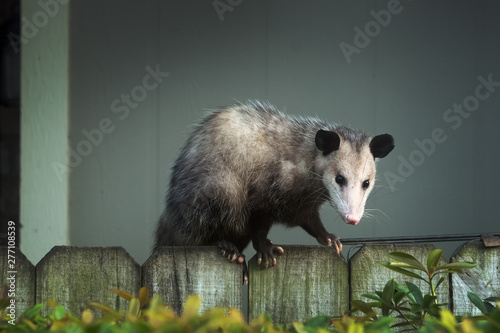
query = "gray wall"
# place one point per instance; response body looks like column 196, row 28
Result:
column 402, row 81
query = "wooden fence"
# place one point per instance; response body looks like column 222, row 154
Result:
column 307, row 281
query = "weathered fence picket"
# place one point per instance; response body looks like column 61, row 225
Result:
column 483, row 280
column 77, row 276
column 367, row 275
column 18, row 275
column 307, row 280
column 177, row 272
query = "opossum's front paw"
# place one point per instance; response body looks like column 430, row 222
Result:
column 266, row 252
column 230, row 251
column 331, row 240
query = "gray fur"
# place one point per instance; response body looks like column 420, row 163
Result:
column 249, row 163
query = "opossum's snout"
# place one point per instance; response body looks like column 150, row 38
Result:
column 351, row 219
column 353, row 213
column 348, row 202
column 348, row 197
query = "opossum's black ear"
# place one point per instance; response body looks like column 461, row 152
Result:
column 381, row 145
column 327, row 141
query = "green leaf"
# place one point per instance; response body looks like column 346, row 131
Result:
column 134, row 308
column 59, row 312
column 450, row 271
column 433, row 259
column 492, row 299
column 489, row 307
column 416, row 308
column 372, row 296
column 415, row 291
column 363, row 307
column 107, row 310
column 191, row 306
column 144, row 295
column 402, row 324
column 387, row 295
column 457, row 265
column 407, row 259
column 380, row 325
column 5, row 302
column 33, row 312
column 320, row 321
column 122, row 294
column 398, row 296
column 478, row 302
column 428, row 301
column 299, row 327
column 441, row 280
column 400, row 270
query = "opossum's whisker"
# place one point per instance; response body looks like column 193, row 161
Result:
column 386, row 218
column 315, row 197
column 367, row 215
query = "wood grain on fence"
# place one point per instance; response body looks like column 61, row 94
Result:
column 77, row 276
column 307, row 281
column 22, row 274
column 483, row 280
column 177, row 272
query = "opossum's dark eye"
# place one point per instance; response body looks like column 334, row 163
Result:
column 340, row 180
column 366, row 184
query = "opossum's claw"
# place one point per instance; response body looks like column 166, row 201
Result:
column 331, row 240
column 230, row 251
column 245, row 273
column 335, row 242
column 268, row 254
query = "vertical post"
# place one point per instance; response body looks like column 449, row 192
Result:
column 367, row 275
column 483, row 280
column 177, row 272
column 307, row 281
column 77, row 276
column 44, row 127
column 18, row 274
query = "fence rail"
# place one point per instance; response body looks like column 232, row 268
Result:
column 307, row 281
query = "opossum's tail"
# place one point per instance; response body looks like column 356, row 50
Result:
column 167, row 234
column 162, row 232
column 172, row 229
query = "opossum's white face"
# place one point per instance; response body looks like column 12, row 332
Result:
column 348, row 170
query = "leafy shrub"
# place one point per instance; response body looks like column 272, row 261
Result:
column 418, row 311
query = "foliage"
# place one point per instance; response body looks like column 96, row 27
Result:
column 150, row 315
column 396, row 306
column 418, row 311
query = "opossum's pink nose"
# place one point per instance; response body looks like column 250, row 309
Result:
column 351, row 219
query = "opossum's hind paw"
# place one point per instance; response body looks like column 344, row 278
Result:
column 267, row 254
column 230, row 251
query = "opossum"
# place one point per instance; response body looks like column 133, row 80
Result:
column 248, row 166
